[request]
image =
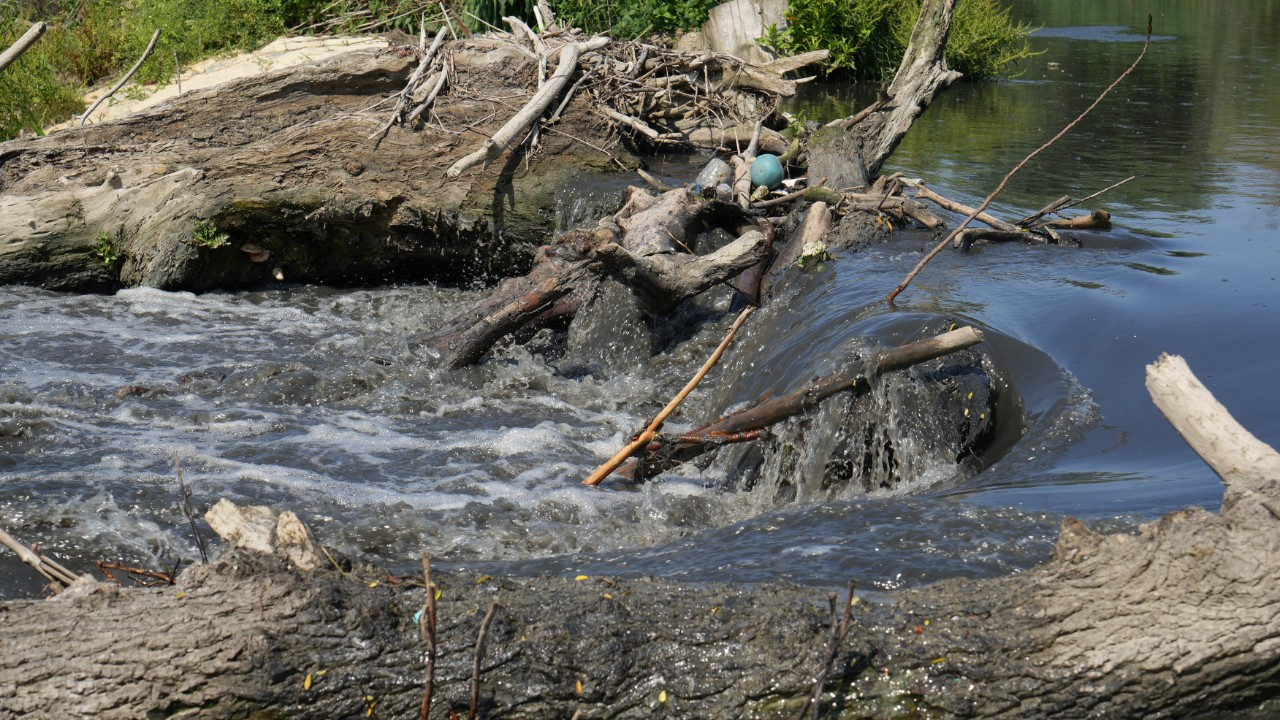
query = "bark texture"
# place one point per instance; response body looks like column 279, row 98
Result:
column 168, row 197
column 848, row 157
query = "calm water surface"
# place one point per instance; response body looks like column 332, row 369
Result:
column 312, row 399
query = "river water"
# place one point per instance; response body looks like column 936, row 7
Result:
column 312, row 398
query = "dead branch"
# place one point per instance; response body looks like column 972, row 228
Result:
column 1244, row 462
column 776, row 409
column 23, row 44
column 1095, row 220
column 494, row 146
column 145, row 54
column 50, row 569
column 646, row 436
column 999, row 188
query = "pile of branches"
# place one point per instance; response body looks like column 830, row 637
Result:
column 652, row 94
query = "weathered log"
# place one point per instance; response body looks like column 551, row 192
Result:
column 852, row 157
column 1182, row 619
column 646, row 246
column 283, row 160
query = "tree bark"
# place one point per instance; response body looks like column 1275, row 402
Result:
column 852, row 157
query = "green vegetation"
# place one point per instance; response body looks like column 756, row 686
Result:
column 90, row 42
column 207, row 235
column 105, row 251
column 867, row 37
column 634, row 18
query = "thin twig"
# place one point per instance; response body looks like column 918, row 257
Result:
column 186, row 509
column 177, row 71
column 834, row 642
column 999, row 188
column 1090, row 197
column 427, row 628
column 475, row 667
column 145, row 54
column 648, row 433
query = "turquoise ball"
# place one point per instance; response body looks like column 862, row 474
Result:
column 766, row 170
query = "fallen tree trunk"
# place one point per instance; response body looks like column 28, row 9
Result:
column 1179, row 620
column 168, row 196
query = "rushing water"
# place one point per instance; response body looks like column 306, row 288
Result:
column 313, row 399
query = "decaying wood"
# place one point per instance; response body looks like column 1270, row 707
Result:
column 646, row 245
column 22, row 44
column 151, row 46
column 1179, row 620
column 957, row 207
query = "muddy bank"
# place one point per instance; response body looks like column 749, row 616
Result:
column 169, row 197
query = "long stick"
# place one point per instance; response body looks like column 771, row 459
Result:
column 145, row 54
column 1000, row 188
column 24, row 43
column 739, row 426
column 475, row 668
column 648, row 434
column 427, row 628
column 494, row 146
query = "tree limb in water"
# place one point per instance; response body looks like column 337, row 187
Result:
column 776, row 409
column 1000, row 188
column 23, row 44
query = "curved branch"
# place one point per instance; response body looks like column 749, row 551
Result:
column 23, row 44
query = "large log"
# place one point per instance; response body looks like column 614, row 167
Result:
column 168, row 196
column 1182, row 619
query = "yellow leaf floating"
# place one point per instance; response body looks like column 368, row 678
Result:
column 578, row 686
column 608, row 596
column 373, row 584
column 580, row 578
column 939, row 661
column 306, row 684
column 662, row 696
column 715, row 610
column 438, row 593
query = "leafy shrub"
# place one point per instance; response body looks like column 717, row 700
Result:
column 633, row 18
column 867, row 37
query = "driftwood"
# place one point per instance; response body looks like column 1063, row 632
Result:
column 646, row 245
column 1179, row 620
column 23, row 44
column 745, row 424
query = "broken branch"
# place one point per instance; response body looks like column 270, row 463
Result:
column 1000, row 188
